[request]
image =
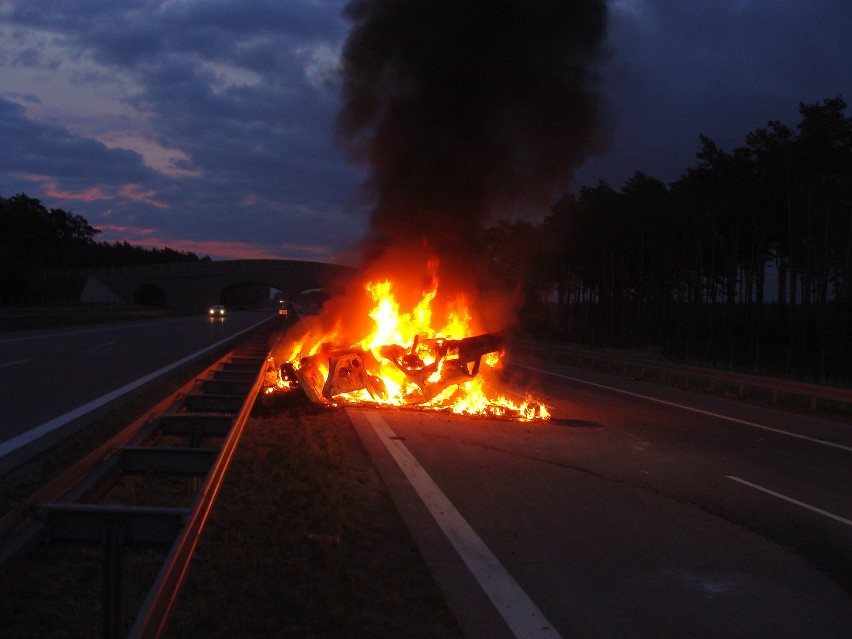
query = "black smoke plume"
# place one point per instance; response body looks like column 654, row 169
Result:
column 463, row 109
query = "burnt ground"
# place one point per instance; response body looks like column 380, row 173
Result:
column 304, row 541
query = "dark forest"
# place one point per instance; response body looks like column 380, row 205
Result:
column 744, row 262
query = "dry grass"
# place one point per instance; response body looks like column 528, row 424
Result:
column 61, row 595
column 304, row 541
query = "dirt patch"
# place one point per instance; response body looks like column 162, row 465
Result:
column 304, row 541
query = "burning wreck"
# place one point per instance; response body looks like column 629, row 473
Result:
column 402, row 361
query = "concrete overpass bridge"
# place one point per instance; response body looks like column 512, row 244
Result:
column 196, row 285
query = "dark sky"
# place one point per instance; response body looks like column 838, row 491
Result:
column 210, row 126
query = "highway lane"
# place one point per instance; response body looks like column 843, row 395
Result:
column 639, row 511
column 47, row 373
column 713, row 441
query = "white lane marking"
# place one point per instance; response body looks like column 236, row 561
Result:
column 690, row 408
column 842, row 520
column 17, row 361
column 19, row 441
column 520, row 613
column 100, row 329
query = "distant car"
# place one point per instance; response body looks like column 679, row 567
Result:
column 217, row 310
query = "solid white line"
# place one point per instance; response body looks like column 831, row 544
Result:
column 690, row 408
column 793, row 501
column 17, row 361
column 517, row 609
column 19, row 441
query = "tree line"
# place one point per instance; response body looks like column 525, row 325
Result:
column 36, row 239
column 744, row 261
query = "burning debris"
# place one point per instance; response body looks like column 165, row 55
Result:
column 450, row 363
column 401, row 363
column 453, row 362
column 436, row 372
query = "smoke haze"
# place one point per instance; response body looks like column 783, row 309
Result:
column 465, row 109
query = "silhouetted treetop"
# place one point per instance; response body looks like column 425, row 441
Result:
column 33, row 238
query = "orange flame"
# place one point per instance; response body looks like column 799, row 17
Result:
column 399, row 355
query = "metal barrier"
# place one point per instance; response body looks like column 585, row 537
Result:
column 773, row 391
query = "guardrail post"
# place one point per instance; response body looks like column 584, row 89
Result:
column 113, row 559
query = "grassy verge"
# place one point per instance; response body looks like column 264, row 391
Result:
column 304, row 541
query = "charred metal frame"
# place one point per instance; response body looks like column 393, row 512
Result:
column 452, row 362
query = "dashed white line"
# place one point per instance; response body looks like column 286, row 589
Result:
column 72, row 333
column 825, row 513
column 521, row 615
column 17, row 361
column 690, row 408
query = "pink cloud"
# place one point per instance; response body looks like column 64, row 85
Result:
column 217, row 249
column 133, row 192
column 92, row 194
column 222, row 250
column 226, row 250
column 311, row 250
column 131, row 231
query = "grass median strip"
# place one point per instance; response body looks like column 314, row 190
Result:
column 304, row 541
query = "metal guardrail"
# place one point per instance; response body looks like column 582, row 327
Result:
column 153, row 617
column 12, row 454
column 69, row 509
column 775, row 391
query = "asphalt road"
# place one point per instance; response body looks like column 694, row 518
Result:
column 45, row 374
column 639, row 511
